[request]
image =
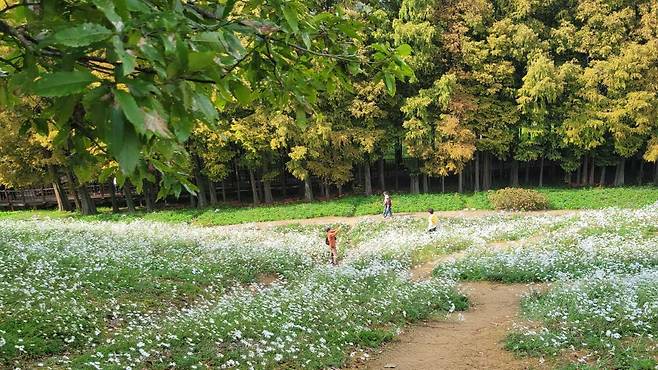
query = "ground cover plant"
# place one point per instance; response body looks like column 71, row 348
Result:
column 80, row 294
column 590, row 198
column 603, row 320
column 614, row 240
column 601, row 310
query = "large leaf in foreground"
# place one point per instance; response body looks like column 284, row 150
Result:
column 62, row 83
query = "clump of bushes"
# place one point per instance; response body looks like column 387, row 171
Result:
column 515, row 199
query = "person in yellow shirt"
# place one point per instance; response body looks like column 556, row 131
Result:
column 432, row 221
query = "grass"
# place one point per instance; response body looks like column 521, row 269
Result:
column 591, row 198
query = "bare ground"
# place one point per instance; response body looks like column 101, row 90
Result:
column 469, row 340
column 465, row 340
column 355, row 219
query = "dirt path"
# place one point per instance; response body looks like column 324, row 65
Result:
column 468, row 340
column 355, row 219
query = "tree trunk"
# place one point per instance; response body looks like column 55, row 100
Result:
column 224, row 191
column 619, row 175
column 193, row 201
column 460, row 182
column 567, row 177
column 237, row 181
column 254, row 187
column 128, row 195
column 321, row 184
column 200, row 182
column 578, row 173
column 640, row 175
column 584, row 172
column 340, row 190
column 113, row 198
column 443, row 184
column 486, row 172
column 541, row 172
column 62, row 198
column 88, row 206
column 398, row 159
column 592, row 168
column 73, row 190
column 526, row 179
column 367, row 179
column 426, row 184
column 308, row 190
column 514, row 173
column 212, row 189
column 602, row 178
column 284, row 190
column 327, row 190
column 414, row 184
column 655, row 175
column 382, row 179
column 476, row 173
column 149, row 196
column 267, row 191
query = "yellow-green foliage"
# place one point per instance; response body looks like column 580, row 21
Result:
column 515, row 199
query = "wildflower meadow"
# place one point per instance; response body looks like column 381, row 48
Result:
column 78, row 294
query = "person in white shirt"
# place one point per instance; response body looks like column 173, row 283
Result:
column 432, row 221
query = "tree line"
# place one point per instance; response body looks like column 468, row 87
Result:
column 164, row 97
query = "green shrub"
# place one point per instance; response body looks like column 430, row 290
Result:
column 514, row 199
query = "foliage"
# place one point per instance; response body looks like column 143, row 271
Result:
column 130, row 81
column 515, row 199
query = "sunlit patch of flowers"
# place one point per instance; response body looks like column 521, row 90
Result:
column 149, row 295
column 603, row 319
column 613, row 240
column 405, row 239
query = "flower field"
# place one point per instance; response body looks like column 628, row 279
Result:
column 111, row 295
column 601, row 311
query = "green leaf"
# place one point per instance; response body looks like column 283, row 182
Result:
column 241, row 92
column 389, row 80
column 403, row 50
column 138, row 6
column 129, row 152
column 128, row 61
column 115, row 139
column 205, row 106
column 200, row 60
column 62, row 83
column 291, row 18
column 81, row 35
column 107, row 7
column 130, row 108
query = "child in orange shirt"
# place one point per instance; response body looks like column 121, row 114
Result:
column 331, row 242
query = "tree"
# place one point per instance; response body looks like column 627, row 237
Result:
column 125, row 76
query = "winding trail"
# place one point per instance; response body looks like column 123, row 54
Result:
column 472, row 339
column 352, row 220
column 466, row 340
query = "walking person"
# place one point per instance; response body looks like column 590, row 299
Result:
column 388, row 205
column 331, row 242
column 432, row 221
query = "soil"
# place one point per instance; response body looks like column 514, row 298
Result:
column 466, row 340
column 473, row 339
column 355, row 219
